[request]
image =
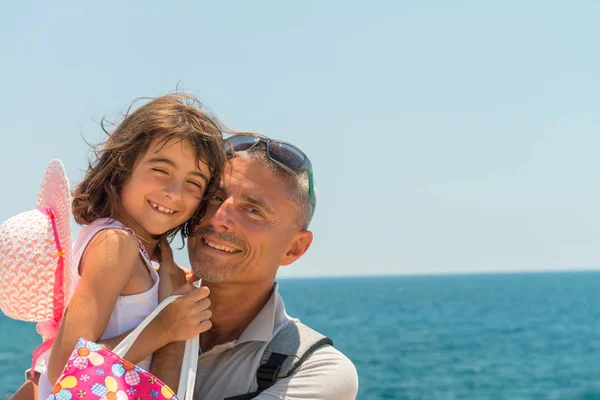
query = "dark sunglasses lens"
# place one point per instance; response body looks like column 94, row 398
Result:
column 287, row 155
column 240, row 143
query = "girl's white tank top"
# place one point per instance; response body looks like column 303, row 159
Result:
column 128, row 312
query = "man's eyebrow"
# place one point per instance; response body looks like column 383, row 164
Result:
column 257, row 202
column 172, row 164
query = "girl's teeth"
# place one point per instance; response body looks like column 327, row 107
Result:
column 162, row 209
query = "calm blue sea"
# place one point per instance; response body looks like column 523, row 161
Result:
column 513, row 336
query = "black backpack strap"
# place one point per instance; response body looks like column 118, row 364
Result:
column 267, row 373
column 284, row 354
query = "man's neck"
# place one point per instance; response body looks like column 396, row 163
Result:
column 234, row 306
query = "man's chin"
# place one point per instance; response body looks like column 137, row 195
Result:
column 213, row 274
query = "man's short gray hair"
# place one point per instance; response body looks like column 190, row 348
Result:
column 298, row 182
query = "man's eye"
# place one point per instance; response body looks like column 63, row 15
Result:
column 217, row 198
column 255, row 211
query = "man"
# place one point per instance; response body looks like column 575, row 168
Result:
column 256, row 222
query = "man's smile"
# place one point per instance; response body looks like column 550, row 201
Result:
column 219, row 246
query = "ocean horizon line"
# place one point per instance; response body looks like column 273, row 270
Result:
column 443, row 273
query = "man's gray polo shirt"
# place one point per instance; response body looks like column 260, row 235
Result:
column 230, row 369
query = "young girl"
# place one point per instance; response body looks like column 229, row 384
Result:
column 147, row 182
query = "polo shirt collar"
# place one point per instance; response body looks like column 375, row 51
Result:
column 263, row 327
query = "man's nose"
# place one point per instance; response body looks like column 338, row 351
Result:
column 221, row 219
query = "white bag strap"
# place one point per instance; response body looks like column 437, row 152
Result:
column 187, row 379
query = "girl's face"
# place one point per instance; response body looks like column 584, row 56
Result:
column 165, row 187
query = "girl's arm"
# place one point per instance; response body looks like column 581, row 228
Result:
column 187, row 317
column 29, row 389
column 106, row 267
column 166, row 363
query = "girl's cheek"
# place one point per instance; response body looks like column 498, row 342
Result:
column 191, row 205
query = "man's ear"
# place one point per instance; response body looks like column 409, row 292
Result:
column 298, row 246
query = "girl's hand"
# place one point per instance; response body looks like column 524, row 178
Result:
column 187, row 316
column 164, row 254
column 190, row 276
column 165, row 258
column 171, row 276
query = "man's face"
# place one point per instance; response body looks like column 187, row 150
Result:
column 249, row 229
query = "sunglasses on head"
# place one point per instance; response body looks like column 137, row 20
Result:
column 284, row 154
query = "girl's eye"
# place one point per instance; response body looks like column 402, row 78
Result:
column 162, row 171
column 199, row 186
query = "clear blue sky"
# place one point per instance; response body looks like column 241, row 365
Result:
column 446, row 136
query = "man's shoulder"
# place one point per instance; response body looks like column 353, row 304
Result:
column 327, row 374
column 303, row 342
column 332, row 362
column 319, row 367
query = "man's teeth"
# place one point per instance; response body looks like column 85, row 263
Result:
column 162, row 209
column 219, row 247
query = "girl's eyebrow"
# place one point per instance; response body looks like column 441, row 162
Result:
column 174, row 165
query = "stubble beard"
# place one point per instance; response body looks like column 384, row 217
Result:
column 203, row 267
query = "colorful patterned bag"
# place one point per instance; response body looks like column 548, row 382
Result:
column 96, row 373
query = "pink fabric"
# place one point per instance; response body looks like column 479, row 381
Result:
column 95, row 371
column 49, row 329
column 28, row 251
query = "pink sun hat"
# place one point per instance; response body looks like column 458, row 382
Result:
column 35, row 253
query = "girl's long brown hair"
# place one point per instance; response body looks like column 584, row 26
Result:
column 174, row 116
